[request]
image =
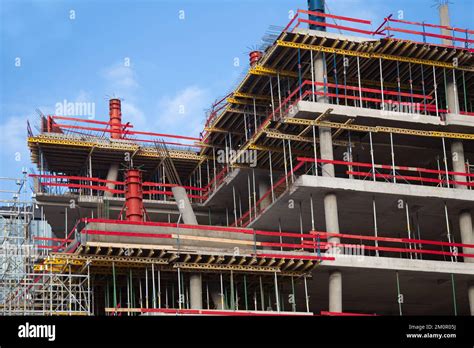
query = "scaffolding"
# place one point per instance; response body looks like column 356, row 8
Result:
column 15, row 252
column 24, row 242
column 49, row 294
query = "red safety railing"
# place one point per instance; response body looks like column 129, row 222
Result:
column 79, row 184
column 415, row 246
column 296, row 21
column 346, row 314
column 83, row 185
column 216, row 108
column 215, row 183
column 152, row 190
column 217, row 312
column 50, row 243
column 388, row 27
column 374, row 98
column 442, row 177
column 414, row 103
column 274, row 192
column 93, row 128
column 290, row 249
column 292, row 244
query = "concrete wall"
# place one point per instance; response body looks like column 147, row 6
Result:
column 227, row 240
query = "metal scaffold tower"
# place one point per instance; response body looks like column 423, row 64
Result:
column 15, row 217
column 25, row 289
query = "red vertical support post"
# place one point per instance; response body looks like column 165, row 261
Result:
column 134, row 195
column 115, row 113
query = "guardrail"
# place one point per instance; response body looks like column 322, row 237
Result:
column 386, row 28
column 374, row 98
column 100, row 128
column 315, row 245
column 442, row 178
column 355, row 170
column 91, row 186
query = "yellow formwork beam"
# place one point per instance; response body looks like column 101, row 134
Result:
column 243, row 102
column 379, row 129
column 53, row 260
column 140, row 152
column 220, row 130
column 264, row 71
column 279, row 135
column 369, row 55
column 251, row 96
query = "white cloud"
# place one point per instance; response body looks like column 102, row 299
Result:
column 183, row 113
column 122, row 79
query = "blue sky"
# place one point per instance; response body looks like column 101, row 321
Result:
column 173, row 61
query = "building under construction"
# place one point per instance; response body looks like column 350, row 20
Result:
column 337, row 178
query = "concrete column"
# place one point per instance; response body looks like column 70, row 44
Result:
column 445, row 21
column 457, row 151
column 195, row 286
column 325, row 134
column 451, row 91
column 465, row 216
column 330, row 199
column 470, row 293
column 325, row 146
column 459, row 162
column 184, row 206
column 335, row 277
column 335, row 291
column 189, row 218
column 263, row 187
column 331, row 215
column 467, row 235
column 112, row 175
column 319, row 77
